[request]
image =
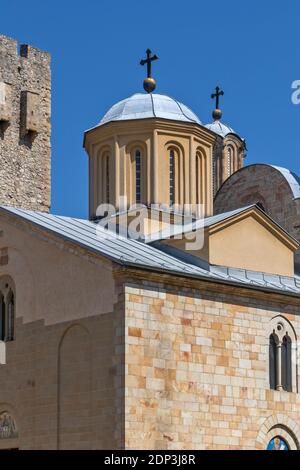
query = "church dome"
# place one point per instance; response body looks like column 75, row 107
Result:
column 219, row 128
column 150, row 105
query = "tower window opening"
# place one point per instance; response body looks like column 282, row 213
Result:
column 198, row 176
column 2, row 318
column 172, row 177
column 7, row 312
column 138, row 197
column 282, row 367
column 107, row 180
column 10, row 317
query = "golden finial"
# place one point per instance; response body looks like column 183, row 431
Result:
column 217, row 113
column 149, row 82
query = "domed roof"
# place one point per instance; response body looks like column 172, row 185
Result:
column 219, row 128
column 143, row 106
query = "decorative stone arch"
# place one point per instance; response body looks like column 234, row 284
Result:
column 279, row 425
column 7, row 284
column 69, row 327
column 131, row 149
column 177, row 145
column 231, row 158
column 179, row 170
column 237, row 150
column 9, row 432
column 136, row 145
column 271, row 328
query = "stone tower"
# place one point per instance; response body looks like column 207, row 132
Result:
column 228, row 154
column 25, row 127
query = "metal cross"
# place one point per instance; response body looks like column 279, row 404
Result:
column 216, row 95
column 148, row 61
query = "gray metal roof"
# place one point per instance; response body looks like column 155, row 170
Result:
column 149, row 105
column 292, row 179
column 121, row 250
column 219, row 128
column 195, row 224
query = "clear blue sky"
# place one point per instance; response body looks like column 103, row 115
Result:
column 250, row 49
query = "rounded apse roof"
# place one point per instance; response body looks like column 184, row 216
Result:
column 219, row 128
column 144, row 106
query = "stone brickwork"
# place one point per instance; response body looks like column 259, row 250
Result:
column 25, row 127
column 197, row 370
column 109, row 358
column 63, row 380
column 59, row 385
column 266, row 185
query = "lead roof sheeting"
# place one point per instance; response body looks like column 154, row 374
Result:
column 131, row 252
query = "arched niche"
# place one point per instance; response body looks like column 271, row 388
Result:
column 74, row 426
column 175, row 165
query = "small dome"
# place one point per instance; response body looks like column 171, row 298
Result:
column 144, row 106
column 219, row 128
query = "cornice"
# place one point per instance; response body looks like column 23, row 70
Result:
column 142, row 126
column 213, row 286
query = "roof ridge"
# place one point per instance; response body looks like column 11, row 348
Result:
column 133, row 253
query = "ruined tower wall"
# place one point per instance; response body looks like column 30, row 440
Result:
column 25, row 126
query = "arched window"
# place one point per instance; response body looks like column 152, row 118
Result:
column 175, row 190
column 10, row 316
column 278, row 443
column 2, row 318
column 230, row 161
column 138, row 169
column 286, row 363
column 201, row 177
column 282, row 350
column 273, row 340
column 172, row 176
column 7, row 311
column 104, row 177
column 198, row 178
column 107, row 179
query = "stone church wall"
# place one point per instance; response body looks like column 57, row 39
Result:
column 197, row 365
column 62, row 376
column 99, row 364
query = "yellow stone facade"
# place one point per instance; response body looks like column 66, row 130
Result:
column 106, row 357
column 154, row 138
column 196, row 372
